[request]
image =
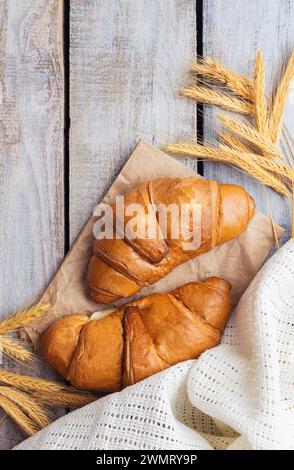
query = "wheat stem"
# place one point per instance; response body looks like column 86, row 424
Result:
column 216, row 98
column 289, row 140
column 271, row 217
column 292, row 231
column 289, row 153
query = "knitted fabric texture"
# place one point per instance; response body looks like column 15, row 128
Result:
column 239, row 395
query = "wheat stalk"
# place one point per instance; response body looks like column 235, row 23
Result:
column 250, row 134
column 290, row 142
column 61, row 399
column 259, row 95
column 22, row 318
column 27, row 404
column 27, row 408
column 26, row 382
column 216, row 98
column 279, row 101
column 252, row 148
column 213, row 70
column 271, row 217
column 270, row 165
column 289, row 152
column 13, row 348
column 34, row 384
column 18, row 416
column 237, row 159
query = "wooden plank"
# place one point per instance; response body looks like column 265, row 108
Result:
column 127, row 59
column 233, row 31
column 31, row 166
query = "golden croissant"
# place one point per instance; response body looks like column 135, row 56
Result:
column 141, row 338
column 120, row 267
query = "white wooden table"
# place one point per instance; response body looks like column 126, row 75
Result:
column 80, row 84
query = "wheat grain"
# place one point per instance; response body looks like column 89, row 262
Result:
column 250, row 134
column 18, row 416
column 26, row 382
column 237, row 159
column 13, row 348
column 27, row 404
column 62, row 399
column 22, row 318
column 259, row 95
column 269, row 165
column 216, row 98
column 233, row 142
column 27, row 408
column 213, row 70
column 279, row 101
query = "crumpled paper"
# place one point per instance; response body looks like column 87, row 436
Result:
column 236, row 261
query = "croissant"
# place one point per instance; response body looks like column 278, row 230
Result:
column 141, row 338
column 119, row 267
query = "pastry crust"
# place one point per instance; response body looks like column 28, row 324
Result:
column 140, row 339
column 120, row 267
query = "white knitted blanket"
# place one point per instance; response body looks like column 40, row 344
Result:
column 239, row 395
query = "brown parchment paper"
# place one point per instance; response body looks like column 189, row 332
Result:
column 237, row 261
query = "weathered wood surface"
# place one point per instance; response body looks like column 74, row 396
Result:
column 31, row 157
column 233, row 31
column 127, row 59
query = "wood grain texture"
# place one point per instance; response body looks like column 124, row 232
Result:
column 31, row 156
column 127, row 61
column 233, row 31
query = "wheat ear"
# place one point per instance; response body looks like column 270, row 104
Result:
column 238, row 159
column 27, row 405
column 214, row 71
column 250, row 134
column 22, row 318
column 259, row 95
column 216, row 98
column 61, row 399
column 13, row 348
column 18, row 416
column 270, row 165
column 233, row 142
column 279, row 101
column 26, row 382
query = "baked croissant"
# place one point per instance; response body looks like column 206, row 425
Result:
column 121, row 267
column 140, row 339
